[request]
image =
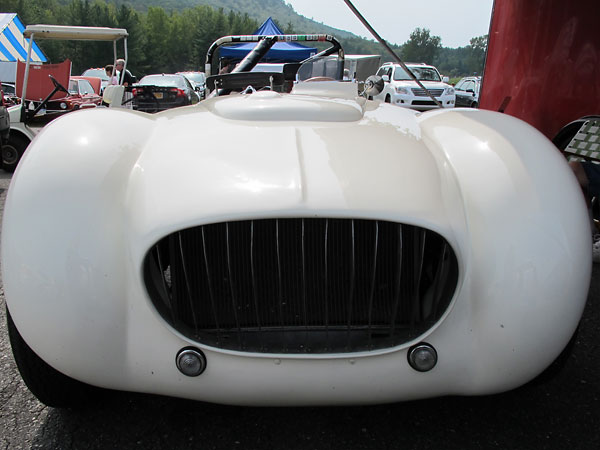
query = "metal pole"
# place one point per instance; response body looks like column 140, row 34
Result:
column 389, row 49
column 26, row 79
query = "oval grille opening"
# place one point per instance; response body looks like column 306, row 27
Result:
column 302, row 285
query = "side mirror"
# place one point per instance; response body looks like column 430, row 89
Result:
column 385, row 78
column 446, row 80
column 374, row 85
column 471, row 91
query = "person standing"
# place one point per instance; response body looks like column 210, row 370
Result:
column 125, row 77
column 112, row 77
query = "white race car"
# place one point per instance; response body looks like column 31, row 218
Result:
column 309, row 247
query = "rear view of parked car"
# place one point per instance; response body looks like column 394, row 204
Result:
column 198, row 81
column 467, row 92
column 163, row 91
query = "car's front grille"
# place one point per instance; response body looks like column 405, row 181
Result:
column 302, row 285
column 417, row 92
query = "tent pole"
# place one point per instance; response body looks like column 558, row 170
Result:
column 26, row 79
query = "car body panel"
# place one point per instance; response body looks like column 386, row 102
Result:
column 467, row 91
column 519, row 230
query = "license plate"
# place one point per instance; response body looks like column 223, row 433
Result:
column 158, row 95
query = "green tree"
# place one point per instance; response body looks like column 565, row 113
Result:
column 477, row 50
column 421, row 46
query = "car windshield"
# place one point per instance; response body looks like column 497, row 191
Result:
column 163, row 80
column 328, row 66
column 421, row 73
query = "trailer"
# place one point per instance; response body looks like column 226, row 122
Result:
column 543, row 66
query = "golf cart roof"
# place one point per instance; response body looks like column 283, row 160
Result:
column 75, row 33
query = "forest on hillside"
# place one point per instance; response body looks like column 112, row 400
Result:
column 174, row 35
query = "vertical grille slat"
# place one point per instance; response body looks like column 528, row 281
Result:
column 188, row 289
column 305, row 285
column 373, row 274
column 397, row 281
column 232, row 287
column 326, row 283
column 254, row 283
column 304, row 308
column 352, row 274
column 209, row 285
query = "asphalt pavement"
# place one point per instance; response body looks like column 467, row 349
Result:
column 563, row 413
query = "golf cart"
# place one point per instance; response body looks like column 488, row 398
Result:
column 25, row 123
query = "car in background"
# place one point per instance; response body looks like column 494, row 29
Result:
column 81, row 94
column 9, row 94
column 467, row 92
column 198, row 80
column 4, row 122
column 401, row 90
column 159, row 92
column 98, row 72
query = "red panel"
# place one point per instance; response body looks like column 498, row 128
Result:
column 39, row 84
column 543, row 62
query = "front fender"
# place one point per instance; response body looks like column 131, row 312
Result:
column 66, row 203
column 529, row 251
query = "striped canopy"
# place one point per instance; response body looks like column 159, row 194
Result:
column 13, row 46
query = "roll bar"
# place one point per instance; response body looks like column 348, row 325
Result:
column 267, row 41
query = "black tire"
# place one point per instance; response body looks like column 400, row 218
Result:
column 12, row 151
column 50, row 386
column 388, row 99
column 474, row 105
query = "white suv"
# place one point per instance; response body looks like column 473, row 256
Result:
column 400, row 89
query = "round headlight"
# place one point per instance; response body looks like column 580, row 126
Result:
column 190, row 361
column 422, row 357
column 63, row 105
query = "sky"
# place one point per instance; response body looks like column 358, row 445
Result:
column 455, row 22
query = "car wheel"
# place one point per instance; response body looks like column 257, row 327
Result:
column 12, row 152
column 388, row 99
column 474, row 105
column 50, row 386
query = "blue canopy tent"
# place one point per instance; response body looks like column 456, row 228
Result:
column 280, row 52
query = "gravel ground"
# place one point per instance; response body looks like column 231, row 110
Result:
column 563, row 413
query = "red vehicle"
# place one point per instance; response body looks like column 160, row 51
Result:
column 543, row 64
column 83, row 92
